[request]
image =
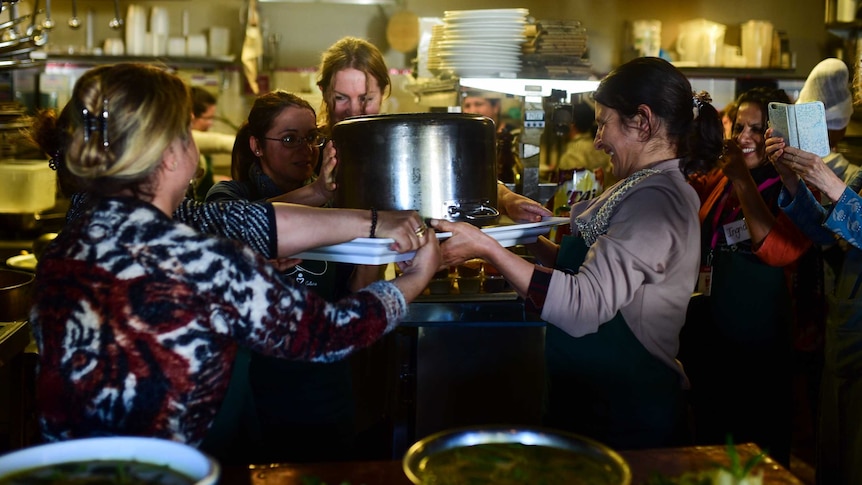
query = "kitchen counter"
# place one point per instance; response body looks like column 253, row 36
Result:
column 670, row 462
column 464, row 360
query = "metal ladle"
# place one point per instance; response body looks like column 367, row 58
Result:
column 116, row 22
column 48, row 23
column 74, row 21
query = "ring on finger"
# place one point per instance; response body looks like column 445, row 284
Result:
column 420, row 231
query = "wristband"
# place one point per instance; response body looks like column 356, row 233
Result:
column 373, row 222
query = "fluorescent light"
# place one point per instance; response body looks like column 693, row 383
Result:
column 529, row 87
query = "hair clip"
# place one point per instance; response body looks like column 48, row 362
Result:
column 96, row 124
column 697, row 102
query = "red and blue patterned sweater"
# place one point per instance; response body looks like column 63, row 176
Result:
column 138, row 317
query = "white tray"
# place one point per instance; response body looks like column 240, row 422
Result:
column 376, row 251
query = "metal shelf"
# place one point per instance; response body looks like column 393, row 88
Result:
column 740, row 72
column 512, row 86
column 93, row 60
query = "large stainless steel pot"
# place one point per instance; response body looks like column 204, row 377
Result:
column 442, row 165
column 15, row 295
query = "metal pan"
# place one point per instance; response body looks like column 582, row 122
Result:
column 417, row 460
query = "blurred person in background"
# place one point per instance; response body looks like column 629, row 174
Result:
column 829, row 82
column 489, row 105
column 728, row 114
column 581, row 153
column 209, row 143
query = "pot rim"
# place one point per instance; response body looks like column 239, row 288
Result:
column 419, row 116
column 25, row 275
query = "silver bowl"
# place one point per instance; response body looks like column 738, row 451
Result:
column 615, row 469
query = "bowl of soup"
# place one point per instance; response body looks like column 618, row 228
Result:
column 513, row 455
column 109, row 460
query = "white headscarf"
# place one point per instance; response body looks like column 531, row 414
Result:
column 829, row 82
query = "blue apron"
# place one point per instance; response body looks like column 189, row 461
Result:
column 606, row 385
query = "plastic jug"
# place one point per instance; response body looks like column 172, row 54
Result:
column 757, row 43
column 646, row 36
column 701, row 42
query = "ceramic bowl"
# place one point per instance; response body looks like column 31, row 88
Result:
column 197, row 466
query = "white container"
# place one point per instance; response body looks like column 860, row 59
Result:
column 196, row 46
column 177, row 46
column 757, row 43
column 114, row 47
column 701, row 42
column 219, row 41
column 159, row 20
column 159, row 30
column 180, row 457
column 845, row 11
column 136, row 31
column 27, row 186
column 646, row 35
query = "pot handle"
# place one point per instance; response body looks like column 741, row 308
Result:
column 483, row 212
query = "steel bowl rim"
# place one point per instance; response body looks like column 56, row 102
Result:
column 423, row 116
column 443, row 440
column 27, row 278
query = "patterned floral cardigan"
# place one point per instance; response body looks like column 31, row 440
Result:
column 138, row 317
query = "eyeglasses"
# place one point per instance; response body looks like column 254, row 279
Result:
column 291, row 141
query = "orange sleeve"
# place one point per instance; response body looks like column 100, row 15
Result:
column 784, row 244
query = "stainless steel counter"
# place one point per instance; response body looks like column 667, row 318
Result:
column 474, row 360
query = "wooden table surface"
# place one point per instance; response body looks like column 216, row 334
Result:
column 670, row 462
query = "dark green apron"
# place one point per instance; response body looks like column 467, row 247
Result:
column 606, row 385
column 234, row 434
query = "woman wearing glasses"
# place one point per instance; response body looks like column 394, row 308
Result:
column 305, row 410
column 275, row 151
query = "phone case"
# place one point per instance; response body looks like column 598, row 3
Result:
column 801, row 125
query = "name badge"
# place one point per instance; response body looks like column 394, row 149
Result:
column 704, row 280
column 737, row 231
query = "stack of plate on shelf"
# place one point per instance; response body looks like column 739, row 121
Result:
column 435, row 63
column 556, row 49
column 478, row 43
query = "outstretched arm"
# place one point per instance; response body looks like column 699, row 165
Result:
column 518, row 207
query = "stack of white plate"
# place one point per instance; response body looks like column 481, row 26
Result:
column 435, row 62
column 480, row 43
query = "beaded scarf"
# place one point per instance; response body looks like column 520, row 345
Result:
column 597, row 225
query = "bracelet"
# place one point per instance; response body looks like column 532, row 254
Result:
column 373, row 222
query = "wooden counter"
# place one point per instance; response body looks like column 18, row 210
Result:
column 670, row 462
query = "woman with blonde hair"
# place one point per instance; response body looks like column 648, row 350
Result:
column 353, row 79
column 138, row 317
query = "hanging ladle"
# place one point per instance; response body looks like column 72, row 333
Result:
column 48, row 23
column 74, row 21
column 116, row 22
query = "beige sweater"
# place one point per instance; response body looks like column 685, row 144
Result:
column 644, row 266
